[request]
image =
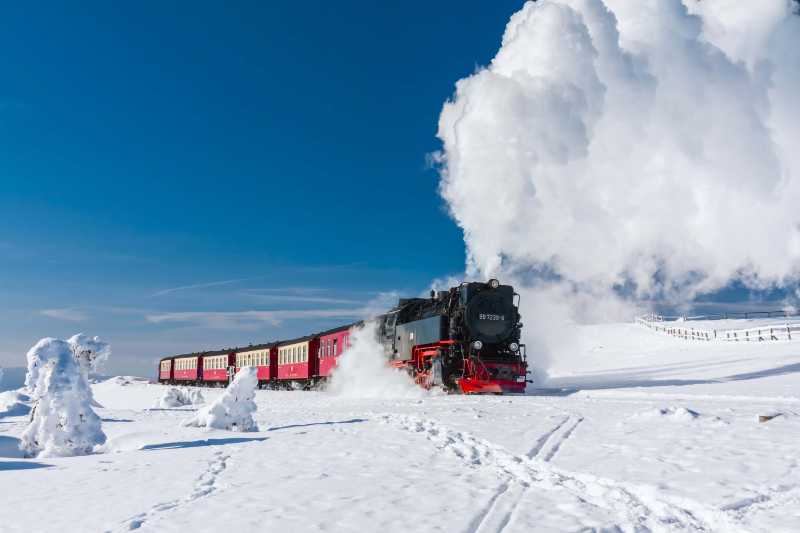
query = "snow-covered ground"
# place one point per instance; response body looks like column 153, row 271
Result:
column 651, row 433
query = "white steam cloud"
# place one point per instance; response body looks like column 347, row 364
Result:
column 649, row 145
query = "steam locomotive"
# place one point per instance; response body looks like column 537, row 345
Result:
column 465, row 339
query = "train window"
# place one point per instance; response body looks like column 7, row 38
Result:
column 334, row 347
column 305, row 353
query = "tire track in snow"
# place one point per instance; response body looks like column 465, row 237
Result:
column 639, row 508
column 505, row 502
column 203, row 486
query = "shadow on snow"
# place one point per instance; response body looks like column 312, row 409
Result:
column 240, row 440
column 9, row 447
column 21, row 465
column 621, row 380
column 331, row 423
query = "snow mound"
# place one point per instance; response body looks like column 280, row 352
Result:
column 124, row 381
column 14, row 403
column 176, row 397
column 63, row 422
column 234, row 409
column 674, row 414
column 362, row 371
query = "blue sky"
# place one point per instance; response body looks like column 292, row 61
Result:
column 259, row 164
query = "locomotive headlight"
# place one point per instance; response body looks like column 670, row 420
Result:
column 477, row 345
column 513, row 346
column 493, row 283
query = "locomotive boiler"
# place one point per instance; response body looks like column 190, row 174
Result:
column 464, row 339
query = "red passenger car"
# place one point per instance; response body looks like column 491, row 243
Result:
column 217, row 367
column 331, row 345
column 165, row 370
column 297, row 360
column 187, row 368
column 262, row 356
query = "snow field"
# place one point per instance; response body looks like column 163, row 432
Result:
column 649, row 454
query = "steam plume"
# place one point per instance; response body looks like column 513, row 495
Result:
column 648, row 145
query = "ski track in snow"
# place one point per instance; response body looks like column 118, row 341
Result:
column 540, row 443
column 204, row 485
column 503, row 505
column 638, row 508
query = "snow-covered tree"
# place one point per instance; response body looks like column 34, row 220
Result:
column 175, row 397
column 234, row 409
column 63, row 422
column 90, row 352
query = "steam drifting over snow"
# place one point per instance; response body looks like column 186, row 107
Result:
column 645, row 144
column 362, row 371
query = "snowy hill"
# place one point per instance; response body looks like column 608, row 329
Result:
column 635, row 431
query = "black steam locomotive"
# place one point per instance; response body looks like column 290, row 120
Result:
column 465, row 339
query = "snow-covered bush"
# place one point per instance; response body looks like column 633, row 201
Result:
column 196, row 397
column 63, row 422
column 175, row 397
column 234, row 409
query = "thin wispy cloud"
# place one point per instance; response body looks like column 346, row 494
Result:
column 293, row 298
column 244, row 319
column 70, row 315
column 198, row 286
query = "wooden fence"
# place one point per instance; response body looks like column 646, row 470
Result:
column 771, row 332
